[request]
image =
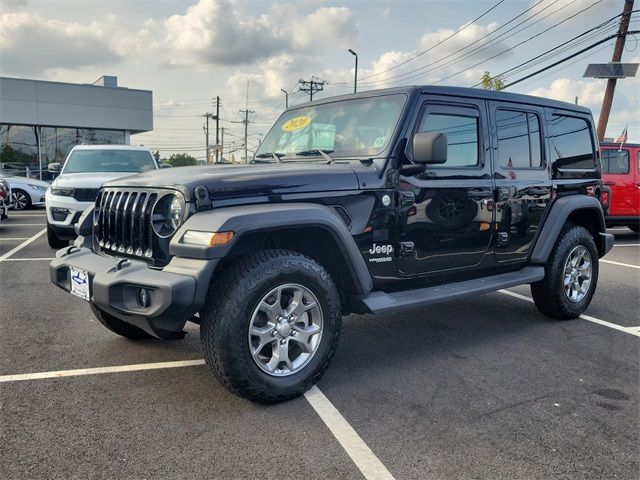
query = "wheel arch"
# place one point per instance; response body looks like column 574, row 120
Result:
column 580, row 210
column 310, row 229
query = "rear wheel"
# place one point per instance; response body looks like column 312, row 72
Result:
column 571, row 275
column 21, row 200
column 270, row 325
column 53, row 239
column 118, row 326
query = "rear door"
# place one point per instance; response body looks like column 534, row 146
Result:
column 522, row 180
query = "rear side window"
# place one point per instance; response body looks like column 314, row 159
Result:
column 615, row 161
column 462, row 135
column 571, row 143
column 519, row 144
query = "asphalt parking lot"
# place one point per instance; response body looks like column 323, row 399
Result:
column 484, row 388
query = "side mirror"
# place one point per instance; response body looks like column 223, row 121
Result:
column 166, row 165
column 54, row 167
column 430, row 147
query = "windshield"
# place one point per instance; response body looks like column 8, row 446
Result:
column 86, row 161
column 361, row 127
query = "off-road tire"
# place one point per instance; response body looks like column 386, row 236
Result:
column 548, row 294
column 53, row 239
column 226, row 316
column 118, row 326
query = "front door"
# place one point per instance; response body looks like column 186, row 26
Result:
column 447, row 220
column 522, row 179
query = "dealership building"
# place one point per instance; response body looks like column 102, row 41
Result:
column 40, row 121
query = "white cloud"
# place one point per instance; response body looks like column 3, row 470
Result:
column 31, row 44
column 223, row 32
column 589, row 92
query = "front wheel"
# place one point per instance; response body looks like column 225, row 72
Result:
column 21, row 200
column 270, row 325
column 571, row 275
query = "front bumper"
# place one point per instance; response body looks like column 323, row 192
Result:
column 176, row 292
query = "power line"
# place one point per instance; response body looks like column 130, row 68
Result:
column 519, row 44
column 419, row 54
column 593, row 45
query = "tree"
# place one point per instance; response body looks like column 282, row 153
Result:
column 182, row 160
column 492, row 83
column 156, row 155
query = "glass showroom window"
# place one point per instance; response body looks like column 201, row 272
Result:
column 103, row 137
column 18, row 149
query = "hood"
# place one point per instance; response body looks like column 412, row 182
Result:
column 25, row 181
column 86, row 180
column 249, row 180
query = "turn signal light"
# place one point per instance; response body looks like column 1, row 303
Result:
column 212, row 239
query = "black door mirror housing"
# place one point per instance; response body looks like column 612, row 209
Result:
column 166, row 165
column 430, row 147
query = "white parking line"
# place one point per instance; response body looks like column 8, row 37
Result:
column 366, row 461
column 23, row 244
column 98, row 370
column 620, row 264
column 14, row 215
column 627, row 245
column 13, row 238
column 27, row 259
column 5, row 225
column 630, row 330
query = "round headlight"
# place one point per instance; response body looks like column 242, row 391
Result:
column 176, row 211
column 168, row 213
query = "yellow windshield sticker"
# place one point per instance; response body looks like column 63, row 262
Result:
column 296, row 123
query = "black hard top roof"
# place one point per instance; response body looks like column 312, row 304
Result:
column 501, row 96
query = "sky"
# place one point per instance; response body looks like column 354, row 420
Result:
column 190, row 51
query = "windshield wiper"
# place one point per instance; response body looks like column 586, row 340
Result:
column 275, row 155
column 317, row 151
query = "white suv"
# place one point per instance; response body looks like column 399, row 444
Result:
column 86, row 168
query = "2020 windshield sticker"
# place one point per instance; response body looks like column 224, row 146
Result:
column 385, row 250
column 296, row 123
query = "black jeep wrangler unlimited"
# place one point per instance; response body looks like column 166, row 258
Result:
column 363, row 203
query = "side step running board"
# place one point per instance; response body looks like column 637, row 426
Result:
column 381, row 302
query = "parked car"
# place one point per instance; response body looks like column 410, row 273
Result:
column 86, row 168
column 373, row 202
column 26, row 192
column 621, row 173
column 5, row 196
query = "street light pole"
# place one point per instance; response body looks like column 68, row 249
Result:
column 286, row 98
column 355, row 80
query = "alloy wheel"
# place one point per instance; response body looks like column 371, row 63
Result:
column 20, row 200
column 285, row 330
column 578, row 271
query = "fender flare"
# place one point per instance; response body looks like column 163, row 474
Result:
column 557, row 217
column 246, row 219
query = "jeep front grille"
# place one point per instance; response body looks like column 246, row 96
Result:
column 123, row 224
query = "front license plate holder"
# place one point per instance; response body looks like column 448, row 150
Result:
column 80, row 283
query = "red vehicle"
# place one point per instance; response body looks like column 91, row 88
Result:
column 621, row 173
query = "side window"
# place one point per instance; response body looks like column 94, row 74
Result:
column 571, row 143
column 519, row 144
column 462, row 135
column 615, row 161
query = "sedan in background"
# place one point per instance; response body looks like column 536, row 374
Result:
column 5, row 193
column 26, row 192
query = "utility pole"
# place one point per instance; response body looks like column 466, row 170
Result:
column 217, row 128
column 206, row 135
column 286, row 98
column 246, row 127
column 311, row 87
column 355, row 78
column 222, row 143
column 611, row 82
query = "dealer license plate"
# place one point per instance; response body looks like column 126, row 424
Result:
column 79, row 283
